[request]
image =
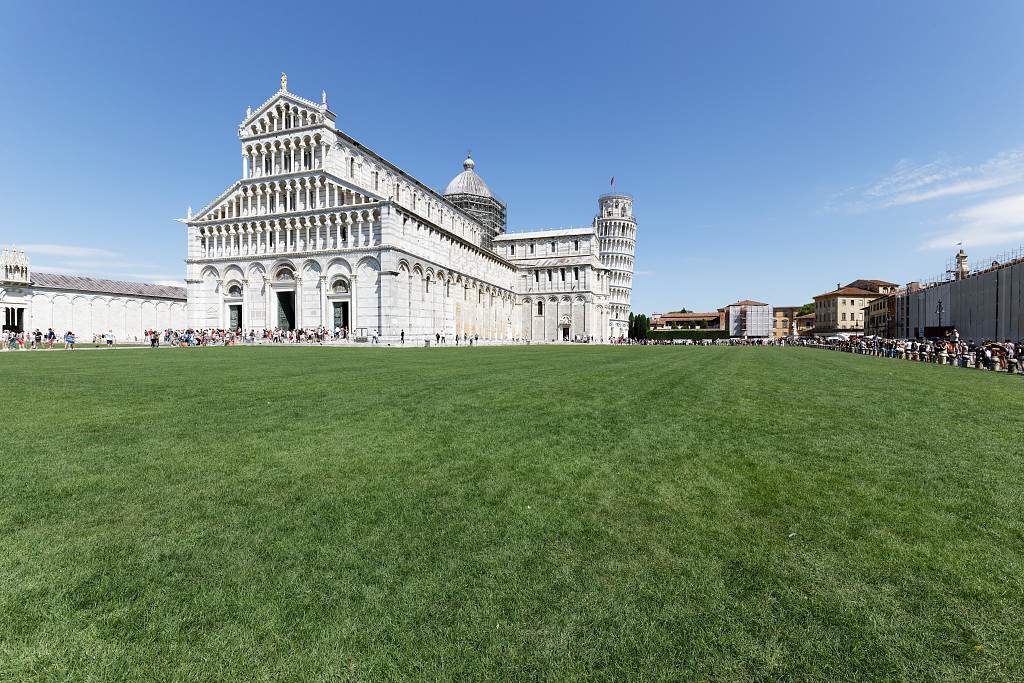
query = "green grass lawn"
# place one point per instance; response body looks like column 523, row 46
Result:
column 491, row 513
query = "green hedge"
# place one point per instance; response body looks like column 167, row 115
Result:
column 688, row 334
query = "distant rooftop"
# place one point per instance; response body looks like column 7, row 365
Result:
column 78, row 283
column 545, row 233
column 877, row 283
column 849, row 291
column 747, row 302
column 707, row 315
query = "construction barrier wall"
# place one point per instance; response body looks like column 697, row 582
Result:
column 988, row 305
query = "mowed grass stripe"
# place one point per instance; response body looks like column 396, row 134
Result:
column 494, row 513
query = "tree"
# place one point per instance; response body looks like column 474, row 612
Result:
column 806, row 308
column 639, row 326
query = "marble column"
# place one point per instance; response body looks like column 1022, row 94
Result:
column 246, row 303
column 353, row 314
column 269, row 322
column 220, row 304
column 323, row 301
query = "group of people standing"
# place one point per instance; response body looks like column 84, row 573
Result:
column 224, row 337
column 37, row 340
column 984, row 355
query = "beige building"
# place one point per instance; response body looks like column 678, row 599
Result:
column 841, row 311
column 880, row 316
column 805, row 325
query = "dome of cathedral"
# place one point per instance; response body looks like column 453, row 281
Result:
column 468, row 182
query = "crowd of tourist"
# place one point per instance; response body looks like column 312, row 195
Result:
column 699, row 342
column 952, row 350
column 31, row 341
column 225, row 337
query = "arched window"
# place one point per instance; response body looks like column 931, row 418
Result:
column 540, row 308
column 340, row 287
column 285, row 274
column 234, row 290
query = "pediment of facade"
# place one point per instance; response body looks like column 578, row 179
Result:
column 285, row 111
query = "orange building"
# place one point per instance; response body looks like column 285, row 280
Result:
column 783, row 319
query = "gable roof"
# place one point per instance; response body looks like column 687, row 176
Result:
column 849, row 291
column 78, row 283
column 688, row 316
column 877, row 283
column 747, row 302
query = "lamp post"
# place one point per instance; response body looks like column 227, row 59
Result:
column 939, row 310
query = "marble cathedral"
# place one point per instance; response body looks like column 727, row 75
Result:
column 320, row 231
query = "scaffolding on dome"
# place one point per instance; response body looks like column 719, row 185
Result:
column 487, row 211
column 469, row 193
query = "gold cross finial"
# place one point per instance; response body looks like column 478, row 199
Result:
column 284, row 81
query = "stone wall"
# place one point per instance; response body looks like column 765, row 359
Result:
column 87, row 314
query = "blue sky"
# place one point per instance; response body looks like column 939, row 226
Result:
column 773, row 149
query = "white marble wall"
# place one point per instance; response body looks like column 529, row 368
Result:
column 87, row 313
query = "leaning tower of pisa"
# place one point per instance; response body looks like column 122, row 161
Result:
column 616, row 230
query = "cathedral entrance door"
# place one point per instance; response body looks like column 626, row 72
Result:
column 565, row 334
column 286, row 310
column 235, row 316
column 341, row 314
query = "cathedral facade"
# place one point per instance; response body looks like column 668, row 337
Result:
column 320, row 231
